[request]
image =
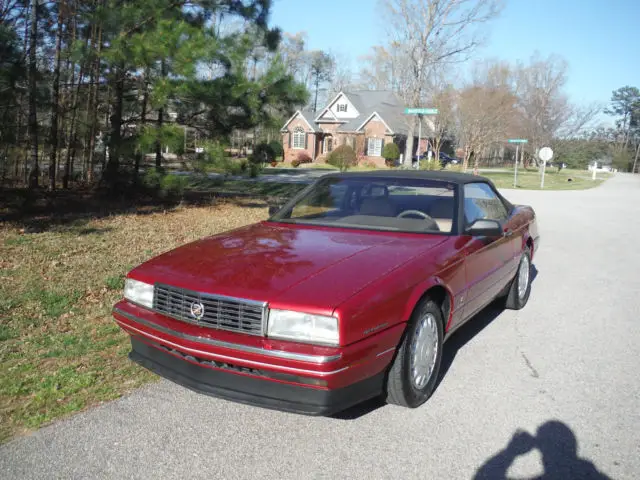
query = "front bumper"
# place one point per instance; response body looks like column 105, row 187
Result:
column 256, row 370
column 189, row 372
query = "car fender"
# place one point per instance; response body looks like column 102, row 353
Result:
column 531, row 233
column 419, row 290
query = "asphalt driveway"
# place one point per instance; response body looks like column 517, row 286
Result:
column 564, row 369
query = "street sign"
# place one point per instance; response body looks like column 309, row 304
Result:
column 545, row 154
column 421, row 111
column 518, row 140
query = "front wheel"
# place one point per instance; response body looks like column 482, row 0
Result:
column 521, row 285
column 414, row 372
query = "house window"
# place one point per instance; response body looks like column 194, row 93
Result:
column 374, row 147
column 328, row 144
column 342, row 107
column 298, row 139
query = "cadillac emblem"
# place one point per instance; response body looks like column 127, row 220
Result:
column 197, row 310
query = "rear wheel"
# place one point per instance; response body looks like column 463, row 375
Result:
column 414, row 372
column 521, row 285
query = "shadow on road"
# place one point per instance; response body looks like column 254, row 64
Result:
column 559, row 449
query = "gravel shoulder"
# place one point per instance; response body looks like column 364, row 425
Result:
column 570, row 356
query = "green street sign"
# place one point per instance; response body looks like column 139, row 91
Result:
column 421, row 111
column 518, row 140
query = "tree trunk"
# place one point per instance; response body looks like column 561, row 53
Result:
column 87, row 113
column 467, row 157
column 315, row 102
column 143, row 121
column 160, row 121
column 94, row 108
column 158, row 141
column 55, row 110
column 18, row 142
column 33, row 91
column 437, row 142
column 113, row 165
column 73, row 131
column 408, row 148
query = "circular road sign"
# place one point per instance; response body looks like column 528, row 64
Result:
column 545, row 154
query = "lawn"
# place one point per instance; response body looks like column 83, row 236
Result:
column 553, row 180
column 527, row 179
column 60, row 351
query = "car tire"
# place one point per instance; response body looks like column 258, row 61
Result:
column 425, row 332
column 518, row 295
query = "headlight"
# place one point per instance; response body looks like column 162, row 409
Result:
column 138, row 292
column 303, row 327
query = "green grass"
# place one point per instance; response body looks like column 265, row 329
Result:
column 115, row 282
column 527, row 179
column 553, row 180
column 60, row 350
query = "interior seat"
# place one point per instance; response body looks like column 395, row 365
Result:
column 442, row 212
column 377, row 206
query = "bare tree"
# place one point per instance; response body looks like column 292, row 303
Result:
column 294, row 56
column 428, row 33
column 543, row 105
column 443, row 97
column 485, row 112
column 384, row 68
column 341, row 75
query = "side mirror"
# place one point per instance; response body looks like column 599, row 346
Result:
column 485, row 228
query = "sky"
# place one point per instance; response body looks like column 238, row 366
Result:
column 600, row 39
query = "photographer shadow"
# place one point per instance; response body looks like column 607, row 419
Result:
column 558, row 447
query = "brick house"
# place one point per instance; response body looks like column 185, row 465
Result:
column 365, row 120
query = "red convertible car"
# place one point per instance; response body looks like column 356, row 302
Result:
column 347, row 292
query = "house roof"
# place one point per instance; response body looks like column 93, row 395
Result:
column 307, row 115
column 385, row 103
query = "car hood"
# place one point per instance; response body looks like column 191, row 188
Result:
column 316, row 268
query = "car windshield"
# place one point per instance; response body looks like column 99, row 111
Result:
column 395, row 204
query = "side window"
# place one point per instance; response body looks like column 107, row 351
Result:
column 324, row 200
column 480, row 201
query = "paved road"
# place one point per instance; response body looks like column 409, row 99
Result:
column 571, row 356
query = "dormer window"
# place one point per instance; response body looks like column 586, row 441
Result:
column 342, row 107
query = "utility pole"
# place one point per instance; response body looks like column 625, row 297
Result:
column 635, row 160
column 515, row 172
column 419, row 137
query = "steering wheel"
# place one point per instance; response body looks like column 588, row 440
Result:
column 414, row 212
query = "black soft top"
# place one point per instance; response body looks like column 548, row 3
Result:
column 451, row 177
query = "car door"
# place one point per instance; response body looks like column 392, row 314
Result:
column 488, row 260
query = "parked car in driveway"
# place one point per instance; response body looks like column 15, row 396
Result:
column 444, row 159
column 448, row 159
column 347, row 292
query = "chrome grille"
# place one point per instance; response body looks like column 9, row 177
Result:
column 224, row 313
